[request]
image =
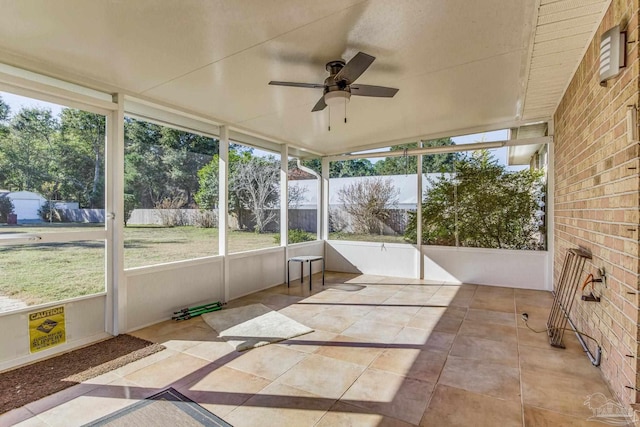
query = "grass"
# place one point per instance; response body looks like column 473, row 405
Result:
column 39, row 273
column 155, row 245
column 46, row 272
column 51, row 271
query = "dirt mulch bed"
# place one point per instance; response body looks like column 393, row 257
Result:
column 32, row 382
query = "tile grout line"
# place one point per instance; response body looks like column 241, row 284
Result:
column 515, row 315
column 437, row 382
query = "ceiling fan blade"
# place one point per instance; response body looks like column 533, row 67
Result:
column 354, row 68
column 320, row 105
column 294, row 84
column 368, row 90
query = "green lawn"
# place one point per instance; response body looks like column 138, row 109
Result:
column 39, row 273
column 53, row 271
column 154, row 245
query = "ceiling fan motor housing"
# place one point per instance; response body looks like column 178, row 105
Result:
column 334, row 67
column 330, row 85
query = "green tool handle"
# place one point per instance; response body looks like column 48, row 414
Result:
column 195, row 313
column 211, row 304
column 204, row 310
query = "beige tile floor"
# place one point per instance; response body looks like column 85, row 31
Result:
column 385, row 352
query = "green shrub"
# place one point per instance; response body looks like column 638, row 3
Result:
column 482, row 205
column 296, row 236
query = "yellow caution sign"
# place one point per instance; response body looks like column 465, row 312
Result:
column 46, row 329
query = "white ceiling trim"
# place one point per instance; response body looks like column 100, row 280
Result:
column 526, row 68
column 29, row 84
column 562, row 35
column 452, row 134
column 591, row 35
column 536, row 141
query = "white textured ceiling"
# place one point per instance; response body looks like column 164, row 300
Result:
column 460, row 65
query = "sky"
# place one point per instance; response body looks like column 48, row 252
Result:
column 17, row 102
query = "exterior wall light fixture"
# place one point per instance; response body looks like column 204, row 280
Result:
column 612, row 53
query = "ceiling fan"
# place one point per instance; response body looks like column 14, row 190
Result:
column 339, row 86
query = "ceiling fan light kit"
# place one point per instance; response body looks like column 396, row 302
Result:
column 337, row 97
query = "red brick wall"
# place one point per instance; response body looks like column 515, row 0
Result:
column 597, row 199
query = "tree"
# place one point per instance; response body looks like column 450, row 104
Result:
column 295, row 195
column 207, row 195
column 29, row 151
column 146, row 176
column 431, row 163
column 397, row 165
column 6, row 208
column 5, row 112
column 255, row 183
column 182, row 167
column 483, row 205
column 81, row 157
column 63, row 157
column 439, row 163
column 367, row 203
column 179, row 139
column 351, row 168
column 313, row 164
column 185, row 153
column 343, row 169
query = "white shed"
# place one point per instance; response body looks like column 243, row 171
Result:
column 26, row 204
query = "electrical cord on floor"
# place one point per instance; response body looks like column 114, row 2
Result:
column 525, row 319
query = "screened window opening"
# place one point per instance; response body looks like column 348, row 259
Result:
column 170, row 195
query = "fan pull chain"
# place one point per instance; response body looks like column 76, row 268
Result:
column 345, row 110
column 329, row 118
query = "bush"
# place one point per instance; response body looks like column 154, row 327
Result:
column 484, row 206
column 207, row 219
column 6, row 208
column 296, row 236
column 129, row 206
column 49, row 213
column 170, row 212
column 367, row 203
